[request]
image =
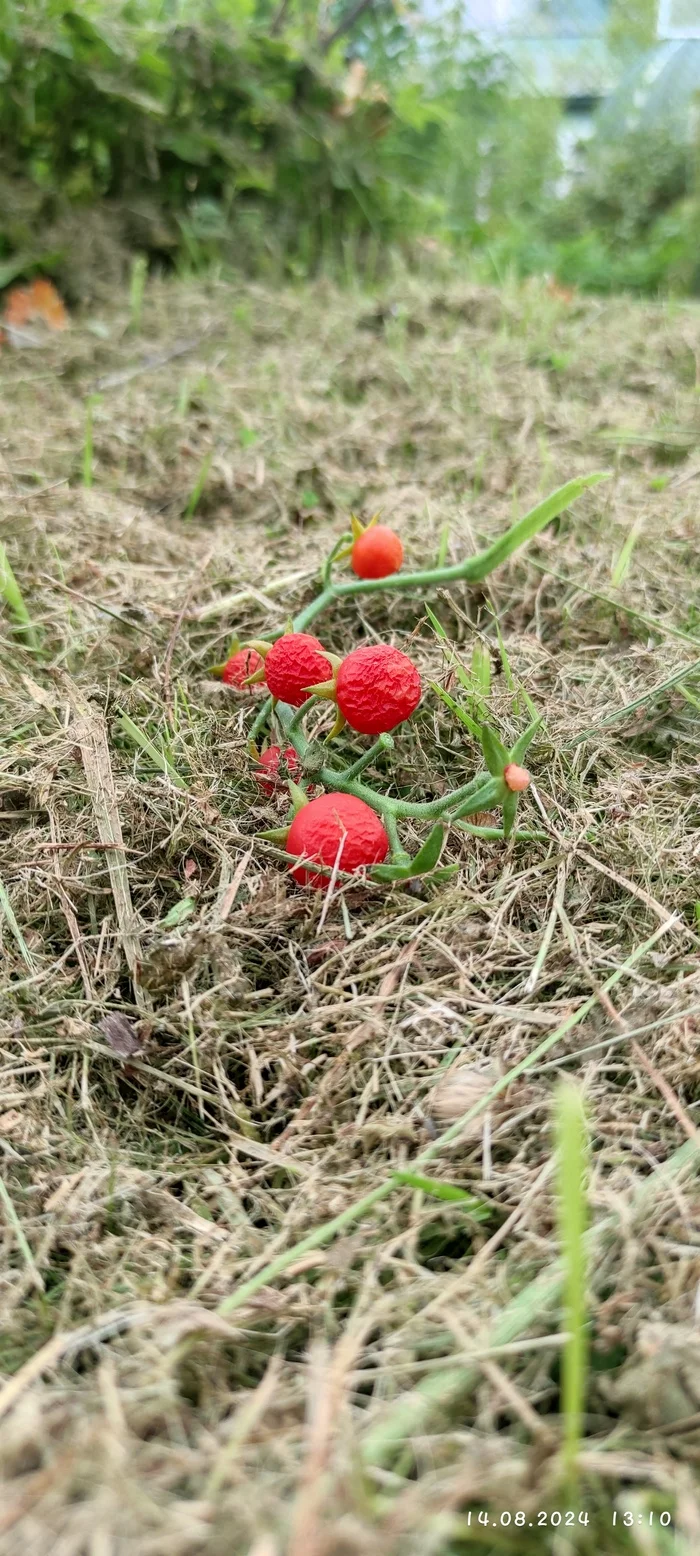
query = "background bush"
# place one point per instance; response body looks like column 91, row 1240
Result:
column 240, row 131
column 230, row 135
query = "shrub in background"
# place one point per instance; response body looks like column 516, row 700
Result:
column 228, row 131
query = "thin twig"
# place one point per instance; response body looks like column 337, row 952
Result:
column 150, row 365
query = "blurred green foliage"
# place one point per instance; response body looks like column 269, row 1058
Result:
column 188, row 124
column 632, row 26
column 630, row 223
column 223, row 129
column 238, row 131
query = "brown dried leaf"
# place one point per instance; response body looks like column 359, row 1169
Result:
column 121, row 1035
column 458, row 1090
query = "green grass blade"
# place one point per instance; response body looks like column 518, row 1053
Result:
column 621, row 565
column 195, row 496
column 12, row 595
column 694, row 701
column 481, row 668
column 327, row 1230
column 440, row 1190
column 18, row 1230
column 436, row 625
column 508, row 676
column 411, row 1414
column 572, row 1170
column 158, row 757
column 7, row 909
column 178, row 913
column 459, row 712
column 443, row 545
column 88, row 444
column 137, row 287
column 684, row 674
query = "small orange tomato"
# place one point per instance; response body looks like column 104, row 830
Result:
column 377, row 553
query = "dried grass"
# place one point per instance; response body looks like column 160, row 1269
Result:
column 282, row 1067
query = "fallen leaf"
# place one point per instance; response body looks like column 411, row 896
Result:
column 49, row 304
column 38, row 302
column 121, row 1035
column 459, row 1089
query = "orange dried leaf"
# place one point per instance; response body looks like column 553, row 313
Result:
column 17, row 307
column 38, row 302
column 48, row 305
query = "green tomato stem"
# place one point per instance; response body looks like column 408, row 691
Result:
column 497, row 834
column 384, row 743
column 481, row 793
column 261, row 718
column 398, row 852
column 342, row 541
column 471, row 569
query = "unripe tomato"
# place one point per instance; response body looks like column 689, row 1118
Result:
column 516, row 778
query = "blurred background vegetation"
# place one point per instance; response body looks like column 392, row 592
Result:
column 281, row 136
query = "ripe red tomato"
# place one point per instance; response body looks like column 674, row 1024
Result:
column 243, row 663
column 268, row 767
column 377, row 553
column 335, row 827
column 296, row 661
column 377, row 688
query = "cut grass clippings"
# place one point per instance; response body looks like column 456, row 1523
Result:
column 289, row 1304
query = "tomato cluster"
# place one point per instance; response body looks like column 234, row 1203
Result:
column 375, row 688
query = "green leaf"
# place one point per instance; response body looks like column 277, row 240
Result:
column 194, row 498
column 532, row 522
column 390, row 872
column 299, row 797
column 524, row 740
column 495, row 754
column 11, row 593
column 573, row 1176
column 447, row 1191
column 8, row 912
column 510, row 806
column 621, row 565
column 178, row 913
column 428, row 855
column 459, row 712
column 423, row 863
